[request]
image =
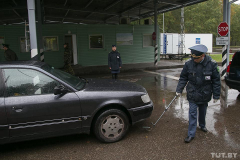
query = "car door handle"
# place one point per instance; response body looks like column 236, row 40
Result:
column 17, row 109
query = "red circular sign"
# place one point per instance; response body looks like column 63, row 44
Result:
column 223, row 29
column 154, row 36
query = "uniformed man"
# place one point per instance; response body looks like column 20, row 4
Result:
column 201, row 75
column 9, row 54
column 67, row 60
column 114, row 62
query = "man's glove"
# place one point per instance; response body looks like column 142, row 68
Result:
column 178, row 94
column 215, row 100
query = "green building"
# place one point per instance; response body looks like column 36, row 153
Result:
column 90, row 44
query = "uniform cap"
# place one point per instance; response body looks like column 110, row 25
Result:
column 114, row 45
column 200, row 48
column 5, row 45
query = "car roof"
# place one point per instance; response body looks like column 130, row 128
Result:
column 237, row 56
column 22, row 63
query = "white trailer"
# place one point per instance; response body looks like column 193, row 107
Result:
column 170, row 42
column 192, row 39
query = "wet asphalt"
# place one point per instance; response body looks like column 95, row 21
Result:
column 165, row 141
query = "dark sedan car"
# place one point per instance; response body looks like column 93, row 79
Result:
column 38, row 101
column 232, row 78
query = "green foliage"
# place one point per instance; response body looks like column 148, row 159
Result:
column 201, row 18
column 218, row 57
column 235, row 25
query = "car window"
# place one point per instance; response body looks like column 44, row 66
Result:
column 236, row 60
column 27, row 82
column 73, row 81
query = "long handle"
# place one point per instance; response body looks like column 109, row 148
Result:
column 165, row 110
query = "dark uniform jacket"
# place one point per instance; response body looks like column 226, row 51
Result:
column 114, row 60
column 202, row 79
column 67, row 56
column 10, row 55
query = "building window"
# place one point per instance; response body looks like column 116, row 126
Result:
column 124, row 38
column 95, row 41
column 147, row 40
column 1, row 41
column 50, row 43
column 23, row 44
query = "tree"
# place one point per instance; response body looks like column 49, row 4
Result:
column 235, row 25
column 202, row 18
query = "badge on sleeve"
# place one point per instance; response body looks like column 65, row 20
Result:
column 117, row 56
column 207, row 78
column 218, row 69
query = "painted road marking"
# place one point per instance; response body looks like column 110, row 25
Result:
column 168, row 76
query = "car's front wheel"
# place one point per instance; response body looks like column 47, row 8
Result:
column 111, row 125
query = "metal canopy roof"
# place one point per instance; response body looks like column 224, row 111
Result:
column 88, row 11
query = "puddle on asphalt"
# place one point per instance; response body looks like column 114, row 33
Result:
column 162, row 90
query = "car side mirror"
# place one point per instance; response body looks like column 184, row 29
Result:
column 60, row 90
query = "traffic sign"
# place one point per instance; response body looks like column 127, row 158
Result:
column 223, row 29
column 222, row 41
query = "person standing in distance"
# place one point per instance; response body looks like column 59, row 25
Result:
column 114, row 62
column 67, row 60
column 9, row 54
column 201, row 75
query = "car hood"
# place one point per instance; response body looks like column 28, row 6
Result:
column 112, row 85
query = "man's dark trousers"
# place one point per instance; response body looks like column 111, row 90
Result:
column 193, row 114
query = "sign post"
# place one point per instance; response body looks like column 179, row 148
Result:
column 154, row 36
column 221, row 41
column 223, row 30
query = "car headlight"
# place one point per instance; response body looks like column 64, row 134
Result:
column 146, row 98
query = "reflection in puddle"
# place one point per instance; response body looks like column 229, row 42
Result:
column 162, row 89
column 221, row 119
column 215, row 115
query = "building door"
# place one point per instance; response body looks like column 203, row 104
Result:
column 72, row 43
column 68, row 39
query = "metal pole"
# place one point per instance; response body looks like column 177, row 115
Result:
column 156, row 31
column 225, row 10
column 39, row 34
column 163, row 22
column 229, row 24
column 225, row 47
column 181, row 47
column 26, row 38
column 32, row 29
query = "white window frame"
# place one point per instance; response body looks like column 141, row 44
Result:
column 143, row 40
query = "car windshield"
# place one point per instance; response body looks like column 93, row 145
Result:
column 73, row 81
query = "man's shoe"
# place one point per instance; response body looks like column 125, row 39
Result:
column 188, row 139
column 204, row 129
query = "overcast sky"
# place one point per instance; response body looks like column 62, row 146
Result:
column 238, row 2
